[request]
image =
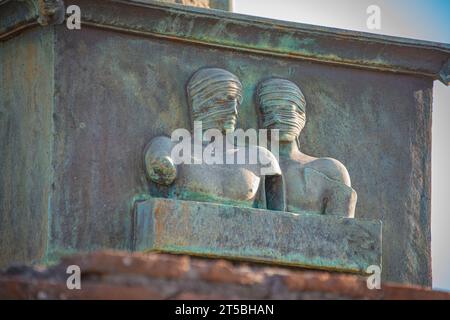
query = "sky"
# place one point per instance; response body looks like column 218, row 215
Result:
column 418, row 19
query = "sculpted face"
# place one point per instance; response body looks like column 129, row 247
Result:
column 221, row 112
column 214, row 97
column 282, row 105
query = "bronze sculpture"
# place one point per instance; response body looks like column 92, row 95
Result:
column 214, row 97
column 316, row 185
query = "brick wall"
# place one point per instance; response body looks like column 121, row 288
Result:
column 120, row 275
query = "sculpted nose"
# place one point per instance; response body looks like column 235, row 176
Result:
column 235, row 111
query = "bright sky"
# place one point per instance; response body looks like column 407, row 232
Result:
column 419, row 19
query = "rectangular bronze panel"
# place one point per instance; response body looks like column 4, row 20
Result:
column 305, row 240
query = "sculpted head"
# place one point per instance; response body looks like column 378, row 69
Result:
column 283, row 107
column 214, row 96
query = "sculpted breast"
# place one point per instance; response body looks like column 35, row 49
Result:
column 231, row 182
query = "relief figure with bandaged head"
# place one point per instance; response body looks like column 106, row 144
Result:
column 315, row 185
column 214, row 97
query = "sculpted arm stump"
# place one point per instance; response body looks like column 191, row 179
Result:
column 159, row 165
column 318, row 185
column 339, row 196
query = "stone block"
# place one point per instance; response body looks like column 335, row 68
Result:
column 304, row 240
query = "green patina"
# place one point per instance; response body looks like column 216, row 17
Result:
column 268, row 256
column 183, row 194
column 213, row 230
column 86, row 178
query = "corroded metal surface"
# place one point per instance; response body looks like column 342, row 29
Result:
column 212, row 4
column 306, row 240
column 249, row 34
column 26, row 107
column 445, row 73
column 88, row 130
column 19, row 15
column 377, row 123
column 51, row 12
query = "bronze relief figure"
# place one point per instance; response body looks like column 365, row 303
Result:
column 214, row 96
column 315, row 185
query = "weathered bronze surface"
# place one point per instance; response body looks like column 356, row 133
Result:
column 306, row 240
column 78, row 107
column 26, row 137
column 211, row 4
column 51, row 12
column 248, row 34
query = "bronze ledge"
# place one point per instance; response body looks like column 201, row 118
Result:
column 250, row 34
column 445, row 73
column 19, row 15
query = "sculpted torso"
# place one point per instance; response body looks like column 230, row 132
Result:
column 295, row 183
column 214, row 96
column 223, row 183
column 227, row 183
column 311, row 185
column 317, row 186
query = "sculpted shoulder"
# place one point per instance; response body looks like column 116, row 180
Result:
column 332, row 168
column 267, row 161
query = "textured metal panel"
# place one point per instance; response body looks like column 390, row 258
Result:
column 120, row 81
column 377, row 123
column 221, row 29
column 212, row 4
column 26, row 107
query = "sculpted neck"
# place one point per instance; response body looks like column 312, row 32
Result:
column 288, row 148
